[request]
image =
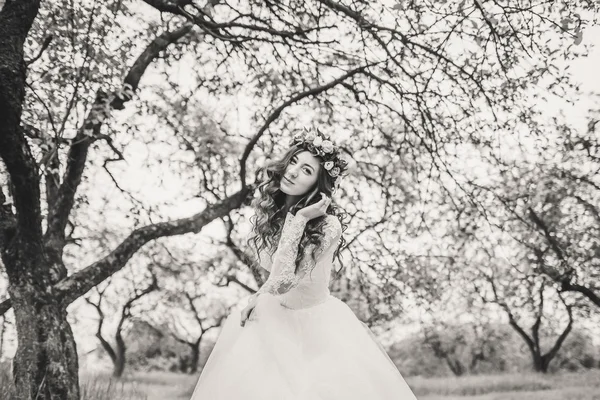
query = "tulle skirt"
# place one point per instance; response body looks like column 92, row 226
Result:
column 320, row 353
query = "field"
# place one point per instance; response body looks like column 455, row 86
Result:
column 169, row 386
column 565, row 386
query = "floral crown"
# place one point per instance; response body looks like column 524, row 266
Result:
column 319, row 144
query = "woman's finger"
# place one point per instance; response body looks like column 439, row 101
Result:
column 246, row 312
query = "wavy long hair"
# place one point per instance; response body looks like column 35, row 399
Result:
column 268, row 220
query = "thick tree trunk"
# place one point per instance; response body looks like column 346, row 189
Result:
column 119, row 366
column 541, row 361
column 45, row 364
column 541, row 364
column 455, row 366
column 195, row 358
column 117, row 356
column 475, row 360
column 120, row 359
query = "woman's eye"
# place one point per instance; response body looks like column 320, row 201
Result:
column 306, row 170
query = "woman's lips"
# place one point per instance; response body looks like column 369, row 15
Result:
column 290, row 182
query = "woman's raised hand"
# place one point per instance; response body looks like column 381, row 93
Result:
column 317, row 209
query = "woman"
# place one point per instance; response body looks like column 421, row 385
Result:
column 294, row 340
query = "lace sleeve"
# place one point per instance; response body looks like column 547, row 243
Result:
column 282, row 277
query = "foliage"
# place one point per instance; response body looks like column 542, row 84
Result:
column 406, row 87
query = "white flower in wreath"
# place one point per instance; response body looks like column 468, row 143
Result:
column 334, row 172
column 327, row 146
column 318, row 141
column 328, row 165
column 310, row 136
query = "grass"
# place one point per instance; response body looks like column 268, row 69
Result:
column 557, row 394
column 93, row 387
column 530, row 386
column 100, row 387
column 525, row 386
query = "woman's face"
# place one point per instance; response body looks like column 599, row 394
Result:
column 301, row 174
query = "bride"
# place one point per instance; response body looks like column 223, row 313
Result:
column 294, row 340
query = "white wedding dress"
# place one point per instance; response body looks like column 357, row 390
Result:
column 300, row 343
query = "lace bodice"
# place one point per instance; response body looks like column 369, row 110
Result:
column 310, row 285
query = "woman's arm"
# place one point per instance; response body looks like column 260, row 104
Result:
column 283, row 277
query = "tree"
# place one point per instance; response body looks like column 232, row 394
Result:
column 196, row 297
column 117, row 353
column 547, row 202
column 193, row 342
column 465, row 346
column 318, row 46
column 564, row 215
column 529, row 296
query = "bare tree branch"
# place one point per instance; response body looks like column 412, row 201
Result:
column 565, row 280
column 44, row 47
column 79, row 283
column 82, row 281
column 277, row 112
column 58, row 214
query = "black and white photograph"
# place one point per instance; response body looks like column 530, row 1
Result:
column 300, row 200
